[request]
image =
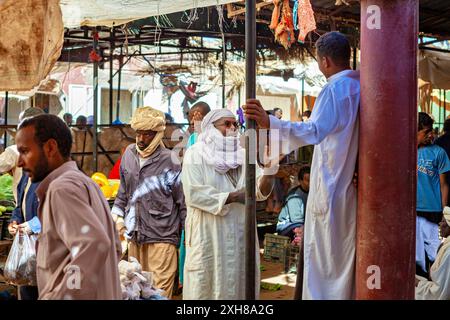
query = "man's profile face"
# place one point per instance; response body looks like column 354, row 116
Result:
column 279, row 114
column 444, row 228
column 304, row 183
column 144, row 138
column 32, row 158
column 425, row 136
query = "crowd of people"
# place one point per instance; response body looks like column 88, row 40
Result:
column 187, row 218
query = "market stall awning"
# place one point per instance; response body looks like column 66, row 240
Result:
column 116, row 12
column 434, row 67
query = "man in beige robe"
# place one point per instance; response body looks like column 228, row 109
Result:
column 78, row 247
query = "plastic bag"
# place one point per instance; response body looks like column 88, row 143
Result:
column 20, row 267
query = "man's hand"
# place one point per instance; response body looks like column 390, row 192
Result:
column 25, row 228
column 236, row 196
column 253, row 110
column 13, row 227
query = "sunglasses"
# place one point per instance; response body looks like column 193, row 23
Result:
column 228, row 124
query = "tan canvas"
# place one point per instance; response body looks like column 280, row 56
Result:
column 31, row 39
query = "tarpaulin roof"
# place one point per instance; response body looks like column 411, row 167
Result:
column 434, row 67
column 108, row 12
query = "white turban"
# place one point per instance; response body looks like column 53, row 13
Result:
column 147, row 118
column 224, row 153
column 215, row 115
column 447, row 214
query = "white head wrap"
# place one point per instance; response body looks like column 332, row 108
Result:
column 224, row 153
column 447, row 215
column 147, row 118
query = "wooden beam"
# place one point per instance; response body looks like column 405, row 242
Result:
column 232, row 13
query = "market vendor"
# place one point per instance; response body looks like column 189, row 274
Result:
column 149, row 208
column 8, row 159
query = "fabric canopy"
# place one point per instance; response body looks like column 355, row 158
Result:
column 108, row 12
column 434, row 67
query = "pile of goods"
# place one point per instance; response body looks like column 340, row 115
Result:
column 135, row 283
column 6, row 187
column 109, row 187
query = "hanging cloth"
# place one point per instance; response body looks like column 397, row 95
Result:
column 306, row 20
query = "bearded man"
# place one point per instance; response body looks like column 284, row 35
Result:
column 214, row 181
column 149, row 209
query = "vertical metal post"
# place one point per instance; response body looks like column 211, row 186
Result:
column 440, row 109
column 382, row 252
column 303, row 94
column 119, row 84
column 6, row 118
column 250, row 151
column 111, row 75
column 95, row 99
column 445, row 105
column 224, row 58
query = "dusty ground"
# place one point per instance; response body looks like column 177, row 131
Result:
column 272, row 274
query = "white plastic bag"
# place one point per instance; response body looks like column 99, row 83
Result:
column 20, row 267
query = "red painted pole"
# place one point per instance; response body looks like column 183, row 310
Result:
column 385, row 254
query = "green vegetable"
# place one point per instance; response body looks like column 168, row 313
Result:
column 10, row 209
column 2, row 209
column 271, row 287
column 6, row 188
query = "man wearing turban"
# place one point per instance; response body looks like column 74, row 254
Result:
column 149, row 208
column 438, row 287
column 214, row 181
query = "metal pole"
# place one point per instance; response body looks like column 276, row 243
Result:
column 224, row 58
column 303, row 94
column 250, row 151
column 385, row 257
column 119, row 84
column 445, row 105
column 440, row 109
column 95, row 98
column 111, row 76
column 6, row 118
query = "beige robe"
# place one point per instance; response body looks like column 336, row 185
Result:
column 78, row 248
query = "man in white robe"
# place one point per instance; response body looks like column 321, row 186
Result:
column 213, row 180
column 330, row 227
column 438, row 287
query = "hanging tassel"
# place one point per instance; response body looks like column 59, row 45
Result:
column 275, row 15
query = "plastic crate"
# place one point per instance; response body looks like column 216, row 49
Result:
column 291, row 258
column 275, row 247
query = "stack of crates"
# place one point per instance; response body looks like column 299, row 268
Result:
column 291, row 258
column 275, row 247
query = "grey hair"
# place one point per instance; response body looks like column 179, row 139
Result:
column 336, row 46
